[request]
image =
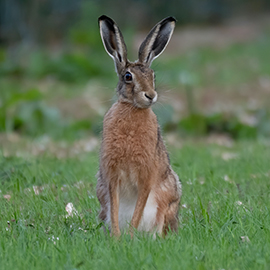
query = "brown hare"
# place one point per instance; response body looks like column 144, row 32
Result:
column 136, row 186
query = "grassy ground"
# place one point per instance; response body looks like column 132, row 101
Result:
column 51, row 112
column 225, row 218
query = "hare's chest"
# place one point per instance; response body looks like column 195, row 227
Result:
column 130, row 144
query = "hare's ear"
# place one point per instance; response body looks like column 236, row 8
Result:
column 113, row 41
column 156, row 41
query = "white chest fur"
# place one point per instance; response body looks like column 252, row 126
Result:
column 128, row 195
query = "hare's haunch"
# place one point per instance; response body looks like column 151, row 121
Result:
column 136, row 185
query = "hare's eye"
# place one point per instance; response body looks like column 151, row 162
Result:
column 128, row 77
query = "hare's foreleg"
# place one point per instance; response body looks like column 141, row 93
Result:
column 114, row 207
column 143, row 194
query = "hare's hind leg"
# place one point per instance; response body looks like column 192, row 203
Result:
column 175, row 190
column 103, row 196
column 108, row 196
column 171, row 218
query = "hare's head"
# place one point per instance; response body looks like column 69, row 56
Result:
column 136, row 80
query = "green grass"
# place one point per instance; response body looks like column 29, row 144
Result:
column 212, row 220
column 223, row 200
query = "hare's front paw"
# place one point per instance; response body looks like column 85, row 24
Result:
column 116, row 233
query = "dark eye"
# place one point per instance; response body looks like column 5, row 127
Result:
column 128, row 77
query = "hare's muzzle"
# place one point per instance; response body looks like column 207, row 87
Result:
column 150, row 98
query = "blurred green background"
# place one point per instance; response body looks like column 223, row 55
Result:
column 56, row 80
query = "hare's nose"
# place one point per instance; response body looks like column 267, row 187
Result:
column 149, row 97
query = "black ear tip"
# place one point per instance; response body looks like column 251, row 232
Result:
column 105, row 18
column 169, row 19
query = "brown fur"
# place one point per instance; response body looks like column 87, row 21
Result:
column 130, row 140
column 133, row 157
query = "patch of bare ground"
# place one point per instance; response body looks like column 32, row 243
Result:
column 13, row 144
column 251, row 96
column 213, row 99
